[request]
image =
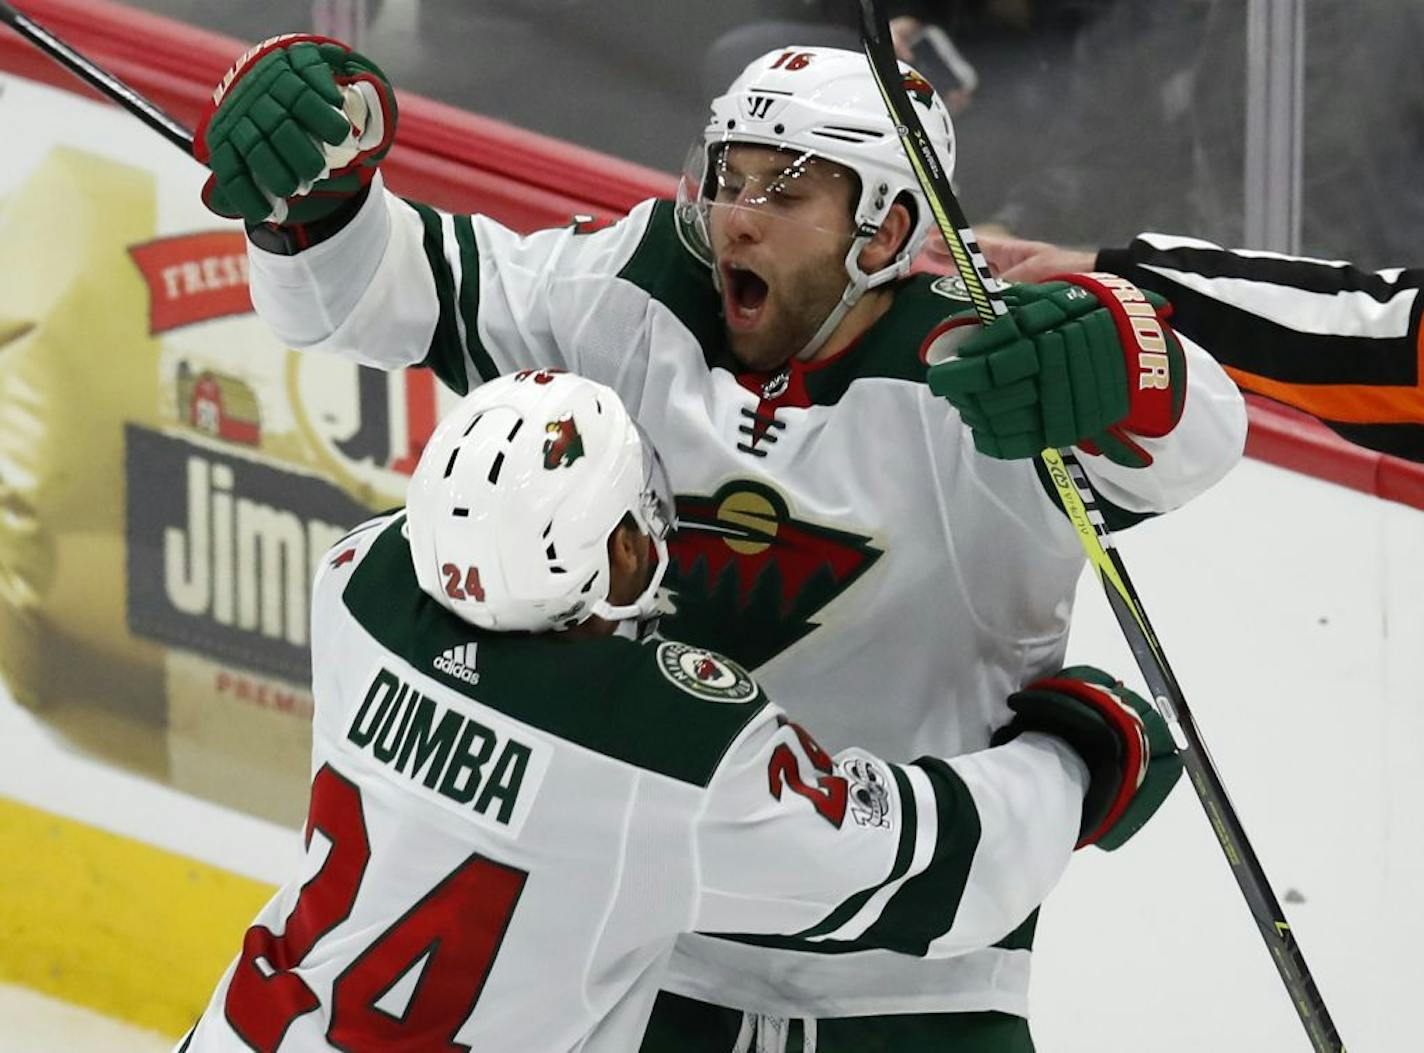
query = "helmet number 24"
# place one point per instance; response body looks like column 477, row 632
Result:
column 473, row 590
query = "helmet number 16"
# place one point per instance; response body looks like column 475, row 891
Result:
column 792, row 60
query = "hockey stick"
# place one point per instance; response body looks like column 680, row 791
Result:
column 105, row 82
column 1075, row 495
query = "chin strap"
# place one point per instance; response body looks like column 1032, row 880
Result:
column 860, row 283
column 646, row 605
column 629, row 630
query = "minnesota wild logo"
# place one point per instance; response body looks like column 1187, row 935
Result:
column 919, row 89
column 747, row 578
column 563, row 444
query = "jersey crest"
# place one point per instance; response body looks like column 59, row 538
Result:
column 564, row 444
column 747, row 578
column 704, row 674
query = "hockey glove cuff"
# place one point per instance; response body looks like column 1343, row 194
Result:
column 1085, row 361
column 1132, row 761
column 295, row 129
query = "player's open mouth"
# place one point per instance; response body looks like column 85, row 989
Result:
column 744, row 294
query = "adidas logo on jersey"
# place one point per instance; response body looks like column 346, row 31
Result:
column 459, row 662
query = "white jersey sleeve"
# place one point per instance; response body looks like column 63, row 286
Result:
column 935, row 858
column 1207, row 442
column 404, row 285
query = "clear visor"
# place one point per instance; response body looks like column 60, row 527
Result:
column 786, row 184
column 657, row 517
column 657, row 508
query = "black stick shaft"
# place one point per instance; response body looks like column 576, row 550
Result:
column 102, row 80
column 1079, row 504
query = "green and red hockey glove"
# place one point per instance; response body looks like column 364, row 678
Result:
column 1086, row 360
column 295, row 130
column 1132, row 761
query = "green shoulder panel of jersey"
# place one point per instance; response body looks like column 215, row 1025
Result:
column 660, row 706
column 672, row 265
column 890, row 348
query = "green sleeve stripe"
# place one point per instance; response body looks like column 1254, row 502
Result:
column 470, row 298
column 446, row 357
column 665, row 268
column 925, row 906
column 904, row 853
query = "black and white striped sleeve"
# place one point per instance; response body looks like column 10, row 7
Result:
column 1337, row 341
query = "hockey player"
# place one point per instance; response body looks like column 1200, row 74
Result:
column 840, row 530
column 516, row 807
column 1341, row 343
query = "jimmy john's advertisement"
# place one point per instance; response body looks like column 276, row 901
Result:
column 169, row 473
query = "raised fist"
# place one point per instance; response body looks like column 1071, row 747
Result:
column 296, row 128
column 1086, row 361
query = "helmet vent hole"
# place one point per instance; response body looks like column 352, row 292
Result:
column 462, row 513
column 478, row 417
column 848, row 134
column 494, row 468
column 514, row 430
column 450, row 464
column 779, row 129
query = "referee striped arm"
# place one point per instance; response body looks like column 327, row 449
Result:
column 1326, row 337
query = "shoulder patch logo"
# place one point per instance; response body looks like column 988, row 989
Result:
column 564, row 444
column 705, row 674
column 952, row 287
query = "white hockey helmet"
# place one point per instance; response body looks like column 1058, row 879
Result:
column 516, row 494
column 819, row 102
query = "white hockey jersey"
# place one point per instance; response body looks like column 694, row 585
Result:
column 839, row 534
column 506, row 833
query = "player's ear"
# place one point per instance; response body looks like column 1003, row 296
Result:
column 625, row 547
column 888, row 239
